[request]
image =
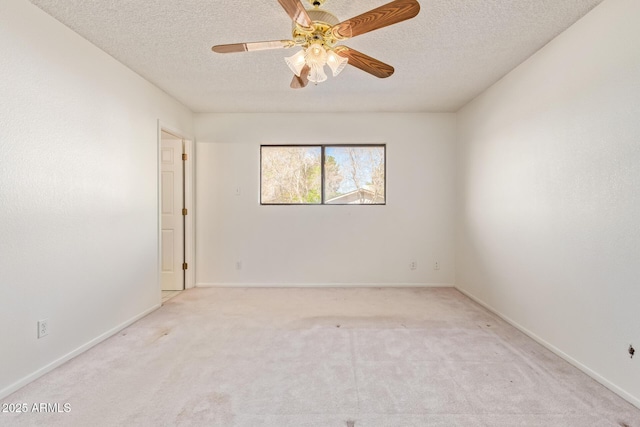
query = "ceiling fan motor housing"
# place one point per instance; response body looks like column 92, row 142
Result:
column 320, row 31
column 322, row 16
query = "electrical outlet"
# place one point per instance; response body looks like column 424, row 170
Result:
column 43, row 328
column 436, row 265
column 413, row 265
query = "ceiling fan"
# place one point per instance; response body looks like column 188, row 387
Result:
column 317, row 32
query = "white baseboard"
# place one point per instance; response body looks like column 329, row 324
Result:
column 324, row 285
column 40, row 372
column 614, row 388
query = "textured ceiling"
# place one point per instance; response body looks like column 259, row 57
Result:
column 444, row 57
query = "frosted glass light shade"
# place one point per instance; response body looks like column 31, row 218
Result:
column 296, row 62
column 315, row 55
column 317, row 74
column 336, row 62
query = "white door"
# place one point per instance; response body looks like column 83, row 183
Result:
column 171, row 204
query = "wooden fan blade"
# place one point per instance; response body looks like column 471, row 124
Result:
column 303, row 80
column 297, row 12
column 249, row 47
column 388, row 14
column 365, row 62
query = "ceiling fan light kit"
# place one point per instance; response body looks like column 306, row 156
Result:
column 317, row 32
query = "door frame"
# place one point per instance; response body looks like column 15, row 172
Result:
column 189, row 224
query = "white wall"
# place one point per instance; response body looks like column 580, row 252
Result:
column 78, row 191
column 284, row 245
column 549, row 195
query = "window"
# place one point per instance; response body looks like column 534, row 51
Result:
column 291, row 175
column 322, row 174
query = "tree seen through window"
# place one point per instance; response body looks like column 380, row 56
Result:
column 326, row 174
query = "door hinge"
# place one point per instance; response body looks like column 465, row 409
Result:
column 184, row 156
column 185, row 266
column 184, row 211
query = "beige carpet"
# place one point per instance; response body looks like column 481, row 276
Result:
column 321, row 357
column 167, row 295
